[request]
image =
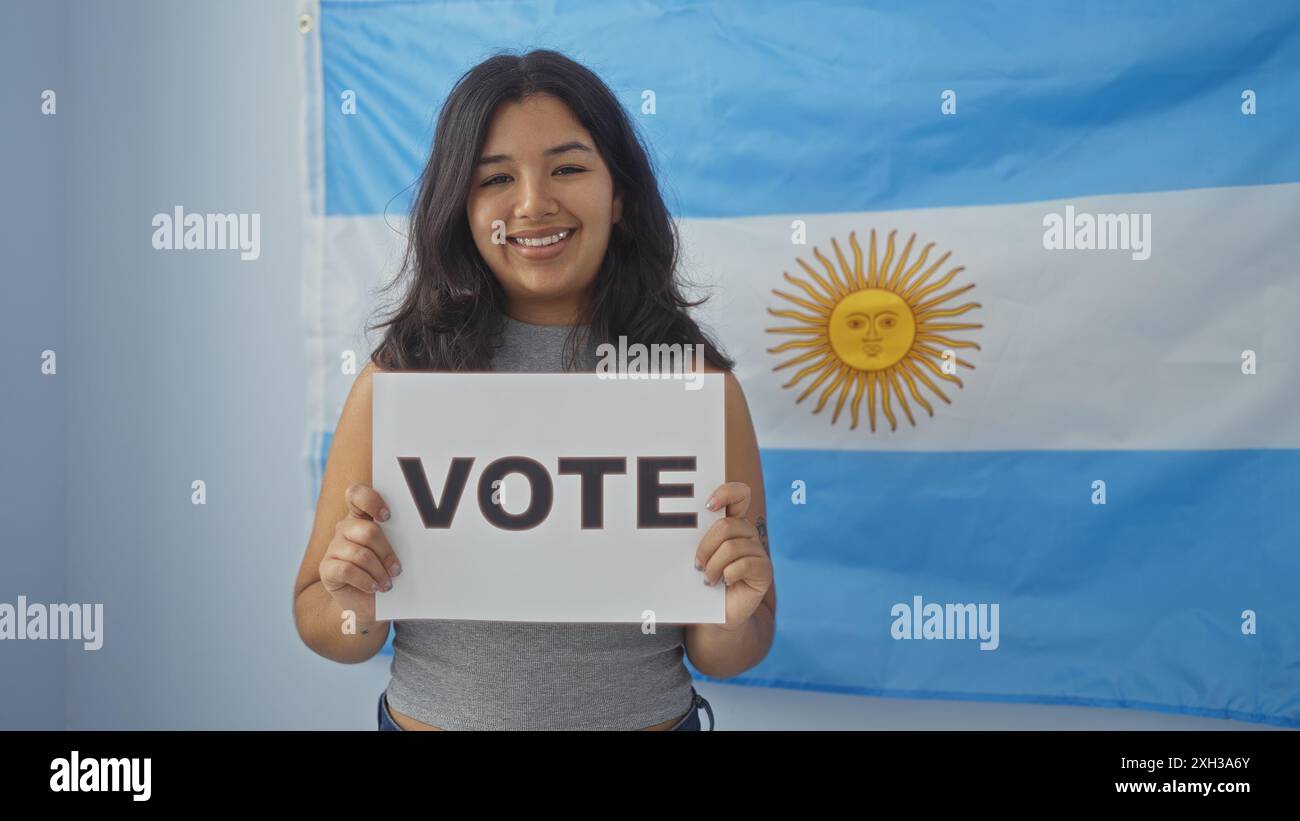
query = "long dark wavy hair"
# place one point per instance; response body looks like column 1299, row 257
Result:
column 454, row 304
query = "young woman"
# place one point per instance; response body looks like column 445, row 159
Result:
column 538, row 232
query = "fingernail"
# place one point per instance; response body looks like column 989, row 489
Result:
column 388, row 586
column 384, row 514
column 697, row 565
column 706, row 582
column 396, row 569
column 710, row 504
column 374, row 588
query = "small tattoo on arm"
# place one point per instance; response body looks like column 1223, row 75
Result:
column 761, row 526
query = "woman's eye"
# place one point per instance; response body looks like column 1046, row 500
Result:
column 573, row 168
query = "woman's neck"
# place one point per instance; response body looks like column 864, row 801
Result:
column 564, row 316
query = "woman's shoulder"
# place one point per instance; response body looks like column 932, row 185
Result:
column 372, row 368
column 359, row 396
column 730, row 380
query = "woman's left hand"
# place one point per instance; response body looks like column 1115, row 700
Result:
column 730, row 552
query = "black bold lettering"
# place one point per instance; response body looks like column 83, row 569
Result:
column 593, row 471
column 540, row 497
column 432, row 513
column 649, row 491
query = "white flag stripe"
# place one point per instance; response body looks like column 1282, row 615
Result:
column 1079, row 349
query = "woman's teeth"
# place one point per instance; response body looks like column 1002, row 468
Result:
column 537, row 243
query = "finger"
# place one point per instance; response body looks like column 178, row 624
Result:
column 735, row 495
column 336, row 573
column 362, row 557
column 719, row 532
column 368, row 534
column 727, row 554
column 754, row 570
column 364, row 502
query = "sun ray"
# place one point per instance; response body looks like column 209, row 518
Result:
column 884, row 401
column 811, row 320
column 801, row 358
column 935, row 369
column 907, row 295
column 824, row 363
column 803, row 303
column 902, row 261
column 925, row 315
column 898, row 391
column 897, row 376
column 840, row 288
column 889, row 258
column 826, row 371
column 844, row 392
column 844, row 267
column 800, row 343
column 911, row 384
column 818, row 298
column 957, row 360
column 943, row 340
column 787, row 330
column 941, row 298
column 917, row 371
column 916, row 266
column 871, row 399
column 858, row 282
column 929, row 289
column 950, row 326
column 839, row 378
column 928, row 351
column 826, row 286
column 871, row 277
column 857, row 398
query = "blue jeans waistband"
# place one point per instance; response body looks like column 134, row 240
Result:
column 691, row 721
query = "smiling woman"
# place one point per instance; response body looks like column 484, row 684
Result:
column 541, row 208
column 538, row 234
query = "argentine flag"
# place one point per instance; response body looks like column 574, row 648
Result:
column 1013, row 294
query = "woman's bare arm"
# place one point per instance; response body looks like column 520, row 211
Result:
column 713, row 650
column 318, row 617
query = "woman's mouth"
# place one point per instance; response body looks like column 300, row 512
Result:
column 546, row 247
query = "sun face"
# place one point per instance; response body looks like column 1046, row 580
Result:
column 871, row 329
column 876, row 333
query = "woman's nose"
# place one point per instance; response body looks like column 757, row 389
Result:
column 535, row 197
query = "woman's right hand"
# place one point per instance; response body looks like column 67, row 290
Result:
column 359, row 561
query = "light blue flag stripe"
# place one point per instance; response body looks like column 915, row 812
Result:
column 770, row 107
column 1134, row 603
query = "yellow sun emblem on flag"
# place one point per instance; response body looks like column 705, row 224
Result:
column 875, row 333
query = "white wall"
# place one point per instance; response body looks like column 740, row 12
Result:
column 33, row 406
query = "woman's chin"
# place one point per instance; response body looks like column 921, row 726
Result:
column 537, row 286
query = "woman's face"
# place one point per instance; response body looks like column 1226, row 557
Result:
column 539, row 175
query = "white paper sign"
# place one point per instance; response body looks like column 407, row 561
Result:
column 648, row 452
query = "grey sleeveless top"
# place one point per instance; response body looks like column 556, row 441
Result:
column 490, row 675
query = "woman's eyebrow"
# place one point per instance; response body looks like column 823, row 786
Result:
column 562, row 148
